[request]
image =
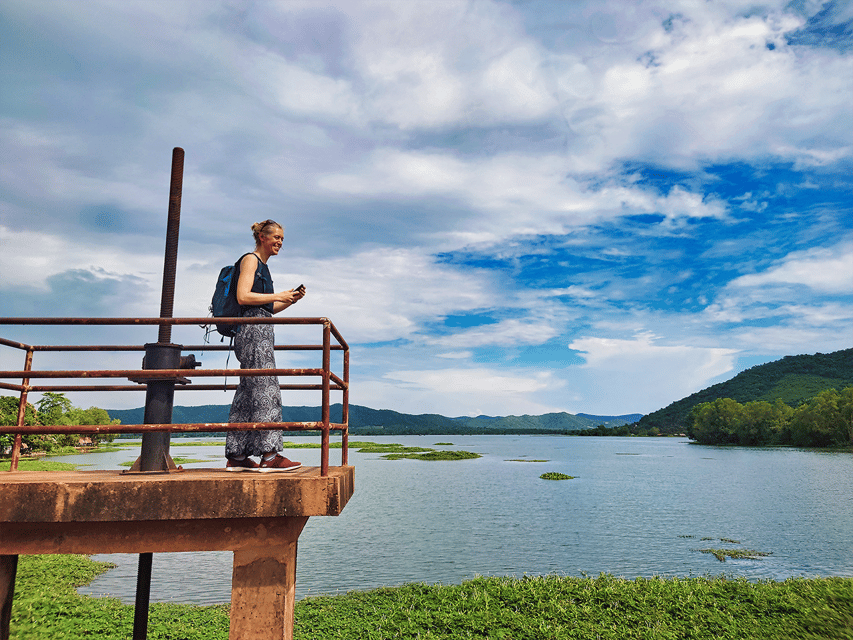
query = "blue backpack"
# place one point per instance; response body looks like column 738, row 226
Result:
column 224, row 303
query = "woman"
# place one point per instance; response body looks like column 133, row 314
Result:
column 258, row 398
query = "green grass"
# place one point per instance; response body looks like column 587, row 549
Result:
column 546, row 608
column 553, row 475
column 39, row 464
column 46, row 607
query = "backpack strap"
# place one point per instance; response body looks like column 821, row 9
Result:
column 237, row 272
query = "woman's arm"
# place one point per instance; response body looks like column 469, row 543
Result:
column 245, row 296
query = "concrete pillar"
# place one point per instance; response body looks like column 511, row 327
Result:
column 263, row 588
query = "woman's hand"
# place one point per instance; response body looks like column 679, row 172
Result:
column 291, row 296
column 286, row 298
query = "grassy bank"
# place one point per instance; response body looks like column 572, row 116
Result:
column 543, row 608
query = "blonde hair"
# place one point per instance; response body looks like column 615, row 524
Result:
column 258, row 229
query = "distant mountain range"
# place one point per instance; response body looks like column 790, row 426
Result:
column 366, row 421
column 793, row 379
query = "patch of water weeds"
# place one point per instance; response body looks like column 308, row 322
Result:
column 554, row 475
column 434, row 455
column 736, row 554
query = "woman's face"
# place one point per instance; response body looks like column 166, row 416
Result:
column 272, row 239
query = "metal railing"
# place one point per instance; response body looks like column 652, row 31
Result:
column 181, row 377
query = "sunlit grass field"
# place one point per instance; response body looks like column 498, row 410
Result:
column 47, row 606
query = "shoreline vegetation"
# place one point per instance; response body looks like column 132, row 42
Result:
column 47, row 606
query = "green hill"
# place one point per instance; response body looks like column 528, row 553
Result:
column 793, row 379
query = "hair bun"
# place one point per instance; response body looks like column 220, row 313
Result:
column 258, row 228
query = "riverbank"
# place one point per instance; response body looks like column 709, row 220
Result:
column 47, row 606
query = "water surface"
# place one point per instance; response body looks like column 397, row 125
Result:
column 637, row 507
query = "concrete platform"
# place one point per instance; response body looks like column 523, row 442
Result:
column 113, row 496
column 258, row 516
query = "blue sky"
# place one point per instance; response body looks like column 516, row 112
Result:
column 505, row 207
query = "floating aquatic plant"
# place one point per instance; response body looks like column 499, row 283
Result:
column 553, row 475
column 735, row 554
column 434, row 455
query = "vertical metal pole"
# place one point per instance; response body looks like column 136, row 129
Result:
column 167, row 297
column 159, row 400
column 22, row 411
column 8, row 571
column 143, row 592
column 159, row 396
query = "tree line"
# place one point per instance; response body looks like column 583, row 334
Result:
column 793, row 379
column 826, row 420
column 53, row 408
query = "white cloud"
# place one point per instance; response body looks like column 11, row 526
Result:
column 506, row 333
column 512, row 194
column 794, row 338
column 785, row 329
column 300, row 91
column 639, row 375
column 472, row 381
column 30, row 271
column 474, row 391
column 439, row 64
column 711, row 89
column 824, row 270
column 792, row 296
column 455, row 355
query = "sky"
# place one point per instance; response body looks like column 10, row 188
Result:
column 505, row 207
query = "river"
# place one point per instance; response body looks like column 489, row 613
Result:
column 636, row 507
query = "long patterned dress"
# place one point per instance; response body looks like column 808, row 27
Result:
column 258, row 399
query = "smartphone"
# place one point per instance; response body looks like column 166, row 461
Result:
column 300, row 287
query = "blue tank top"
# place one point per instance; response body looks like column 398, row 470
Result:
column 263, row 283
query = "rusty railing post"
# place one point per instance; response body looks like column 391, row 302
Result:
column 327, row 368
column 22, row 410
column 345, row 412
column 9, row 563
